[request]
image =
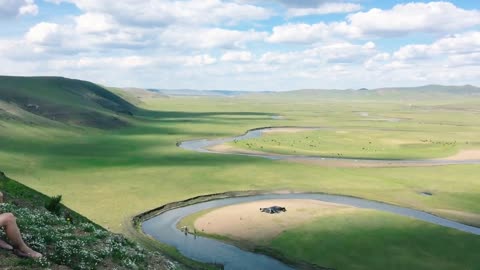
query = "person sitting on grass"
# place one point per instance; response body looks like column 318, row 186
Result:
column 9, row 224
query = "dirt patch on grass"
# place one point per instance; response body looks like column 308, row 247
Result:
column 287, row 130
column 327, row 162
column 245, row 222
column 358, row 163
column 339, row 163
column 465, row 155
column 225, row 148
column 462, row 216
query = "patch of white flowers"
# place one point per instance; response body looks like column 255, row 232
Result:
column 80, row 246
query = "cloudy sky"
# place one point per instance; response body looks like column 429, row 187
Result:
column 243, row 44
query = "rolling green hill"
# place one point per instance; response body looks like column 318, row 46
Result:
column 426, row 92
column 62, row 100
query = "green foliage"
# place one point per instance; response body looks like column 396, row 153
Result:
column 53, row 205
column 80, row 246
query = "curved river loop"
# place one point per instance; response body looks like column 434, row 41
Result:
column 208, row 146
column 162, row 226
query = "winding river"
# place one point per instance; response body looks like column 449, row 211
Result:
column 208, row 146
column 163, row 226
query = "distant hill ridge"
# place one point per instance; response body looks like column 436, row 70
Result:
column 193, row 92
column 64, row 100
column 464, row 89
column 429, row 87
column 405, row 92
column 435, row 87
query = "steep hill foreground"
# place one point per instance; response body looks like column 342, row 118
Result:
column 69, row 240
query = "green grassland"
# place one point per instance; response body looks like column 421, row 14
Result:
column 366, row 143
column 363, row 239
column 111, row 172
column 344, row 241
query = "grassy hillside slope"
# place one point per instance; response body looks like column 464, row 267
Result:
column 67, row 239
column 64, row 100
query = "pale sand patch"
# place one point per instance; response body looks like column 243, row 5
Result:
column 338, row 163
column 287, row 130
column 465, row 155
column 346, row 163
column 225, row 148
column 245, row 222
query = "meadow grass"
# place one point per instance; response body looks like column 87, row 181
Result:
column 111, row 175
column 373, row 240
column 364, row 143
column 363, row 239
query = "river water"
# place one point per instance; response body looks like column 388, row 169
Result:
column 163, row 228
column 205, row 145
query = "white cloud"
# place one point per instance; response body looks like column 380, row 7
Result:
column 83, row 36
column 94, row 23
column 343, row 52
column 199, row 60
column 369, row 45
column 126, row 62
column 471, row 59
column 237, row 56
column 309, row 33
column 401, row 20
column 338, row 53
column 303, row 3
column 408, row 18
column 167, row 12
column 299, row 33
column 279, row 58
column 449, row 52
column 13, row 8
column 204, row 38
column 460, row 44
column 44, row 34
column 377, row 61
column 325, row 8
column 197, row 44
column 416, row 52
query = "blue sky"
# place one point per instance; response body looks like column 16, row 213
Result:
column 243, row 44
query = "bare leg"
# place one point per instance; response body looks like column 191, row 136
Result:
column 8, row 221
column 5, row 245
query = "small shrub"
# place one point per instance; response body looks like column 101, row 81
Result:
column 53, row 205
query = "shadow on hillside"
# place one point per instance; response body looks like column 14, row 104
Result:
column 168, row 160
column 178, row 114
column 137, row 147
